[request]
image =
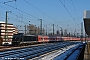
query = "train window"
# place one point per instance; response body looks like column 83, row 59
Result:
column 39, row 38
column 42, row 38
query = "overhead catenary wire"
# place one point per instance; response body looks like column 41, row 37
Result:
column 39, row 10
column 74, row 8
column 33, row 6
column 19, row 10
column 68, row 12
column 10, row 1
column 15, row 15
column 12, row 17
column 19, row 20
column 70, row 20
column 19, row 17
column 23, row 11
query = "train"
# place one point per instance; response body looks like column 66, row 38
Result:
column 20, row 39
column 23, row 39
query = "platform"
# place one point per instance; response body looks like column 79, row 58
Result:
column 87, row 52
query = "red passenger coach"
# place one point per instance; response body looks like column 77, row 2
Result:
column 66, row 38
column 59, row 38
column 52, row 38
column 39, row 38
column 55, row 38
column 46, row 38
column 43, row 38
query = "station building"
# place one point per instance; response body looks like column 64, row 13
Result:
column 6, row 33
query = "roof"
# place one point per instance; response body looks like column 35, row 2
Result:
column 1, row 22
column 87, row 14
column 87, row 26
column 29, row 35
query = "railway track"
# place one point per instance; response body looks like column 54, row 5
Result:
column 36, row 51
column 6, row 48
column 63, row 53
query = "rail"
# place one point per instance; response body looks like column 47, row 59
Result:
column 33, row 52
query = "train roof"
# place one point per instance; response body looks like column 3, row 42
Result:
column 29, row 35
column 54, row 36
